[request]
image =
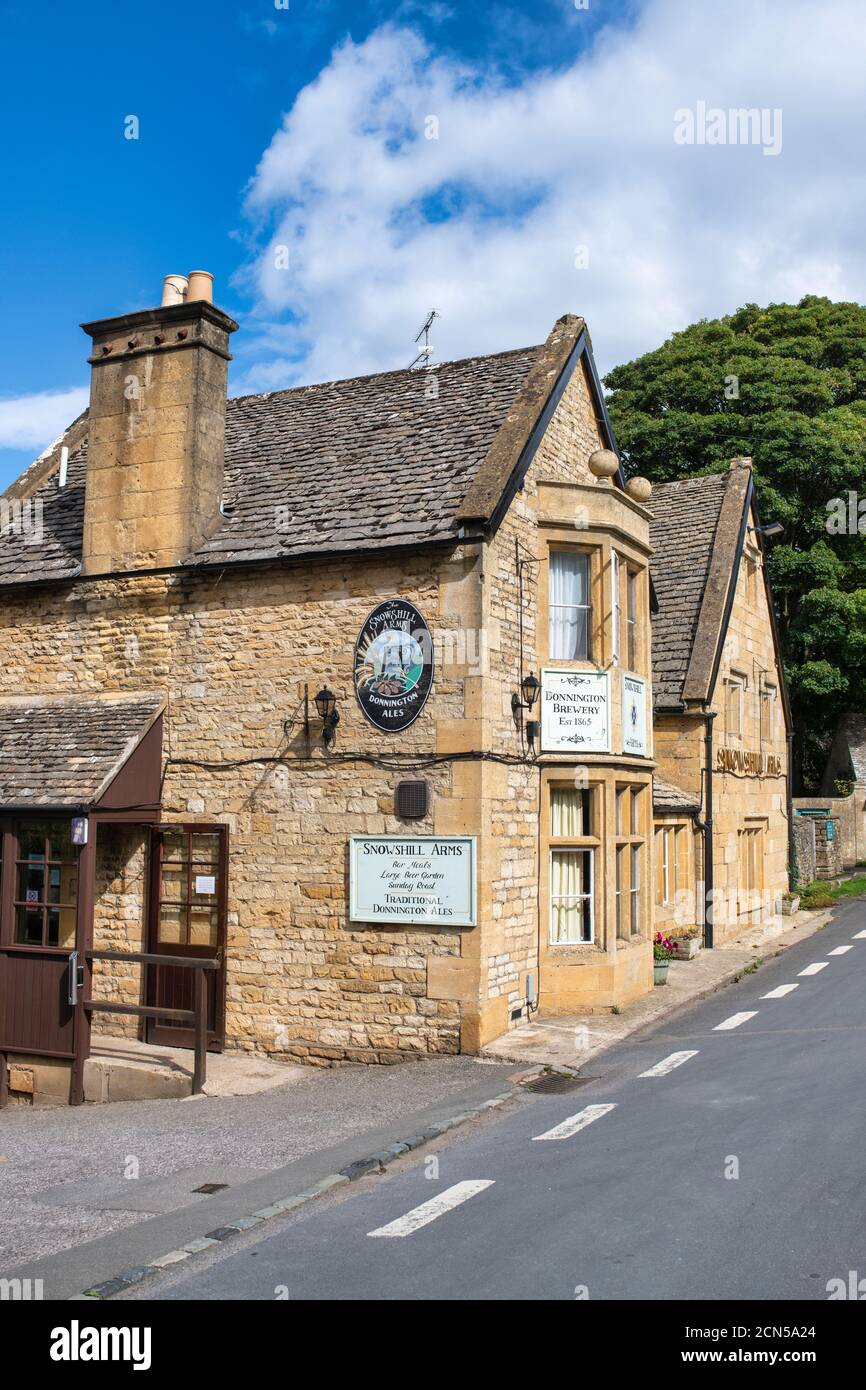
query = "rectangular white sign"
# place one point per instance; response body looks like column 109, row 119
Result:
column 634, row 725
column 575, row 711
column 429, row 880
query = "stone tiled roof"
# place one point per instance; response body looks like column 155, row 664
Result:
column 66, row 751
column 667, row 797
column 344, row 466
column 685, row 520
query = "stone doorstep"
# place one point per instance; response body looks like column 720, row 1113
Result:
column 553, row 1041
column 123, row 1069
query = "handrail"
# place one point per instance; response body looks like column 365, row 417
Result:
column 197, row 1015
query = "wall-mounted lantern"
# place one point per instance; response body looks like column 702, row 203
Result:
column 529, row 690
column 326, row 708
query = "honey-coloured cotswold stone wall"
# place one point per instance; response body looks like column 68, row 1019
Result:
column 747, row 794
column 231, row 653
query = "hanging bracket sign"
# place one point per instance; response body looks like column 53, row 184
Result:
column 634, row 724
column 393, row 665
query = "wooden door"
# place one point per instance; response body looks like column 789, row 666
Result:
column 189, row 868
column 40, row 928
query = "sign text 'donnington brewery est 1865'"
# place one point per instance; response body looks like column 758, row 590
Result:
column 393, row 665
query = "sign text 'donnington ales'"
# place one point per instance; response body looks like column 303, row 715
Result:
column 393, row 665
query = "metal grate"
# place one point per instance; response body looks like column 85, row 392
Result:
column 412, row 799
column 557, row 1085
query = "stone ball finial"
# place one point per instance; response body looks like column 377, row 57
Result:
column 639, row 489
column 603, row 464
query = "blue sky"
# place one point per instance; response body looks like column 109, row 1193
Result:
column 307, row 129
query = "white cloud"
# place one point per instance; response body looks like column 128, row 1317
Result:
column 32, row 422
column 381, row 223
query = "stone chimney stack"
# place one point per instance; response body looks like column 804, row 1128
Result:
column 156, row 429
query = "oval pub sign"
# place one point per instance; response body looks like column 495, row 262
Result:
column 393, row 665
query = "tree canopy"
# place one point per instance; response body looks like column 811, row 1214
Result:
column 785, row 384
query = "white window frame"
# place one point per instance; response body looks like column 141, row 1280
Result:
column 631, row 655
column 617, row 615
column 581, row 897
column 635, row 887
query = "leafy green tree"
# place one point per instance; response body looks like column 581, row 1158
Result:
column 785, row 384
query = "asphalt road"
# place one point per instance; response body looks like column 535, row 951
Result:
column 735, row 1172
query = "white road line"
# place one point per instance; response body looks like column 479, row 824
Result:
column 575, row 1123
column 840, row 950
column 675, row 1060
column 859, row 936
column 779, row 992
column 734, row 1021
column 815, row 967
column 428, row 1211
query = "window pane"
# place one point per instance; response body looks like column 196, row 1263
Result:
column 206, row 849
column 31, row 879
column 28, row 926
column 632, row 620
column 569, row 606
column 174, row 845
column 60, row 840
column 174, row 884
column 569, row 812
column 622, row 795
column 635, row 811
column 61, row 926
column 203, row 927
column 172, row 923
column 570, row 896
column 31, row 841
column 635, row 889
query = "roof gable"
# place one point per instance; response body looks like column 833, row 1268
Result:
column 683, row 534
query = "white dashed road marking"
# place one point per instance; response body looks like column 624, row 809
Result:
column 840, row 950
column 815, row 967
column 859, row 936
column 575, row 1123
column 675, row 1060
column 428, row 1211
column 779, row 992
column 734, row 1021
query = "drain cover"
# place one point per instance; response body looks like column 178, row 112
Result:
column 555, row 1085
column 211, row 1187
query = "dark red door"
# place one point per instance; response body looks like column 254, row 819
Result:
column 41, row 928
column 189, row 865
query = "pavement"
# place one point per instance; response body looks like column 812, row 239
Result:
column 88, row 1191
column 718, row 1154
column 573, row 1040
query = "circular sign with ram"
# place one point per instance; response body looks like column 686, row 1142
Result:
column 393, row 665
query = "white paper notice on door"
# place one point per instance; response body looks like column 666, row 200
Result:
column 205, row 883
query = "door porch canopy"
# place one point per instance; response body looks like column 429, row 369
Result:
column 77, row 754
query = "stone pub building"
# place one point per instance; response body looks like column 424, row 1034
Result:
column 346, row 690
